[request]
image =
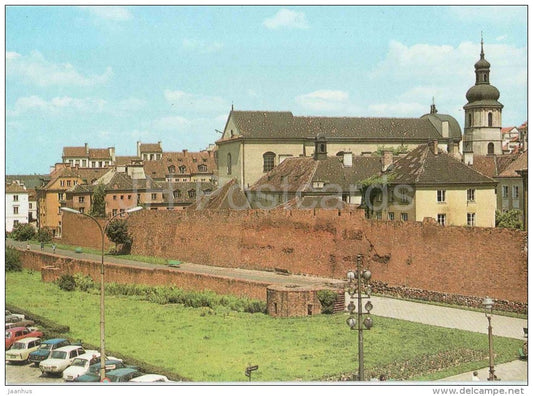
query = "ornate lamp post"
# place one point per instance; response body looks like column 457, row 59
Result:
column 356, row 281
column 102, row 296
column 488, row 304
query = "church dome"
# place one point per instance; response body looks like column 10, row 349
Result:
column 482, row 64
column 482, row 92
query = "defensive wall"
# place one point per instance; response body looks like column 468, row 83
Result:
column 424, row 256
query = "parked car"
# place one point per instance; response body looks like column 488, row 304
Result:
column 123, row 374
column 93, row 374
column 18, row 333
column 46, row 347
column 20, row 323
column 21, row 349
column 61, row 358
column 80, row 365
column 150, row 378
column 11, row 314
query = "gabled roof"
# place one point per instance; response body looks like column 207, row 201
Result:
column 29, row 181
column 422, row 166
column 125, row 159
column 123, row 182
column 150, row 148
column 492, row 165
column 99, row 154
column 229, row 196
column 159, row 169
column 280, row 125
column 519, row 164
column 75, row 151
column 178, row 193
column 87, row 175
column 15, row 188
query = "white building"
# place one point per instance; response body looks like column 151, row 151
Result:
column 17, row 205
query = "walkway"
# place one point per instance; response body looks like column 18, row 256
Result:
column 388, row 307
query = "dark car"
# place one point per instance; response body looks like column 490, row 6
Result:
column 46, row 347
column 93, row 375
column 123, row 374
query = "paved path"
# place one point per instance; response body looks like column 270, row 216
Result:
column 515, row 372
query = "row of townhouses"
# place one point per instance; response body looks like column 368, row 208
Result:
column 398, row 169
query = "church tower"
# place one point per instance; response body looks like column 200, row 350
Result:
column 483, row 113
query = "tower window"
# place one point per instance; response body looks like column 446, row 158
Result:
column 490, row 119
column 469, row 119
column 228, row 163
column 490, row 148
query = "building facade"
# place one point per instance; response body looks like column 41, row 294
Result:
column 17, row 206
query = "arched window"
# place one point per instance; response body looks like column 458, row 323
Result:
column 490, row 148
column 171, row 169
column 202, row 168
column 490, row 119
column 268, row 161
column 182, row 169
column 192, row 193
column 469, row 120
column 228, row 163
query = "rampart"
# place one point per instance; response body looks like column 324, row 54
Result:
column 462, row 261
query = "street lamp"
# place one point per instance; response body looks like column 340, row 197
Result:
column 356, row 281
column 102, row 306
column 488, row 304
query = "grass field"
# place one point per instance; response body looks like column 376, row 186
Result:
column 208, row 345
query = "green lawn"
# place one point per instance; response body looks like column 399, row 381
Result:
column 217, row 345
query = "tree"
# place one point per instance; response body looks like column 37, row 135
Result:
column 117, row 232
column 23, row 232
column 13, row 262
column 98, row 201
column 509, row 219
column 44, row 235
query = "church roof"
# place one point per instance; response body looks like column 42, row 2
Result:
column 284, row 125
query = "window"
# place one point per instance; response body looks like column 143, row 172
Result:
column 505, row 191
column 15, row 223
column 15, row 210
column 490, row 119
column 228, row 163
column 182, row 169
column 154, row 195
column 490, row 148
column 404, row 197
column 114, row 213
column 469, row 119
column 192, row 193
column 122, row 210
column 404, row 216
column 81, row 210
column 30, row 206
column 171, row 169
column 62, row 183
column 378, row 215
column 122, row 197
column 268, row 161
column 84, row 163
column 60, row 196
column 441, row 219
column 114, row 197
column 81, row 199
column 391, row 216
column 441, row 195
column 515, row 192
column 177, row 194
column 93, row 164
column 68, row 183
column 15, row 198
column 129, row 196
column 202, row 168
column 471, row 219
column 471, row 195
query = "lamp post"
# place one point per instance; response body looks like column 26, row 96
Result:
column 488, row 304
column 102, row 295
column 356, row 281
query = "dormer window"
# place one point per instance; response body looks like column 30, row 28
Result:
column 318, row 184
column 202, row 168
column 192, row 193
column 171, row 169
column 177, row 194
column 182, row 169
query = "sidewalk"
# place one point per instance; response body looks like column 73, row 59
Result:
column 515, row 372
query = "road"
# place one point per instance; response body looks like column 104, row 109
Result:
column 28, row 374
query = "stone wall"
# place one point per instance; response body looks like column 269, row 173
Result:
column 413, row 255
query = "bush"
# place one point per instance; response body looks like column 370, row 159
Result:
column 23, row 232
column 66, row 282
column 510, row 219
column 44, row 235
column 84, row 282
column 327, row 299
column 13, row 260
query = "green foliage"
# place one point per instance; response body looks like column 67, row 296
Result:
column 117, row 232
column 13, row 260
column 402, row 149
column 98, row 201
column 44, row 235
column 23, row 232
column 509, row 219
column 327, row 299
column 84, row 282
column 66, row 282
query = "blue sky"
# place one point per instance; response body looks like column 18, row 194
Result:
column 111, row 76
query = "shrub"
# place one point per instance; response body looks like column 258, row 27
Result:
column 327, row 299
column 13, row 260
column 66, row 282
column 84, row 282
column 23, row 232
column 44, row 235
column 510, row 219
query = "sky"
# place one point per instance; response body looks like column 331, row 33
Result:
column 110, row 76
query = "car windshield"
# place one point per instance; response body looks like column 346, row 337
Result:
column 18, row 345
column 79, row 362
column 46, row 347
column 58, row 355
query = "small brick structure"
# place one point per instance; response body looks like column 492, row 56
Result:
column 291, row 300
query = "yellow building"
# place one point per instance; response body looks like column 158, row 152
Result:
column 253, row 142
column 428, row 182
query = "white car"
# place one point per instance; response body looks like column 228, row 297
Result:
column 80, row 365
column 20, row 350
column 150, row 378
column 60, row 359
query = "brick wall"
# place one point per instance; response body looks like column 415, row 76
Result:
column 453, row 260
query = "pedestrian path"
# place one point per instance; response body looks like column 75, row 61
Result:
column 515, row 372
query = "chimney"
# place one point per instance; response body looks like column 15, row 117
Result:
column 185, row 151
column 86, row 149
column 321, row 147
column 434, row 146
column 386, row 160
column 347, row 159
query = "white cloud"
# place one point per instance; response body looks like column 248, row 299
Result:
column 324, row 100
column 490, row 14
column 176, row 123
column 285, row 18
column 184, row 101
column 397, row 109
column 56, row 106
column 116, row 14
column 35, row 69
column 202, row 46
